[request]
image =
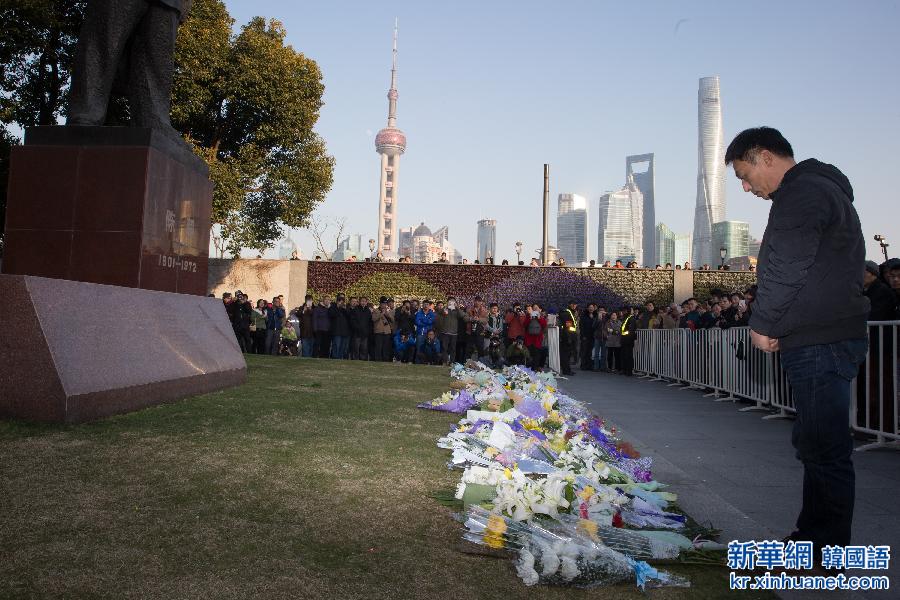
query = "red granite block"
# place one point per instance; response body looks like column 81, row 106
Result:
column 137, row 348
column 42, row 183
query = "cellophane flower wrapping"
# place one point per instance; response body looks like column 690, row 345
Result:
column 545, row 479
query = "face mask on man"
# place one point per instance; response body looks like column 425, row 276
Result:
column 451, row 305
column 309, row 303
column 535, row 313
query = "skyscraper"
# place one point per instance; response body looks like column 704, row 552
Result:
column 734, row 236
column 486, row 241
column 665, row 245
column 710, row 171
column 682, row 248
column 572, row 228
column 620, row 231
column 390, row 143
column 646, row 182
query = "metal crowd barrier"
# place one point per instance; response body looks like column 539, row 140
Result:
column 724, row 363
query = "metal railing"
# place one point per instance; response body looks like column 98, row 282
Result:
column 724, row 363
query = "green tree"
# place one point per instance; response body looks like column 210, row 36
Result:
column 36, row 47
column 248, row 103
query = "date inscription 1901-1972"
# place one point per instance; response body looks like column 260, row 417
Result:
column 176, row 261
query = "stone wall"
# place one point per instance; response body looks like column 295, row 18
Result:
column 259, row 278
column 549, row 286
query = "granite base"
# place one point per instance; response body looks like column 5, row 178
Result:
column 74, row 351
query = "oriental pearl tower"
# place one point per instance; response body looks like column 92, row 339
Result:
column 390, row 143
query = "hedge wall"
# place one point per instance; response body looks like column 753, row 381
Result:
column 727, row 281
column 549, row 286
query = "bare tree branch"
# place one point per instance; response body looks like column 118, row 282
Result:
column 319, row 228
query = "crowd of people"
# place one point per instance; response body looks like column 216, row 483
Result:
column 596, row 337
column 410, row 331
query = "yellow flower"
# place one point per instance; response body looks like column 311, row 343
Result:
column 507, row 473
column 493, row 535
column 491, row 452
column 586, row 493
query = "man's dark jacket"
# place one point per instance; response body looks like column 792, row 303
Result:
column 360, row 320
column 810, row 269
column 340, row 320
column 884, row 301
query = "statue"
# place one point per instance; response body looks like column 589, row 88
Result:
column 134, row 39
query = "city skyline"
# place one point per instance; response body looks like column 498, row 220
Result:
column 453, row 62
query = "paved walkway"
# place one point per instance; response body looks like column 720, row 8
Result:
column 736, row 470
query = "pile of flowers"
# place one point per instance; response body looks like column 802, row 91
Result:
column 547, row 480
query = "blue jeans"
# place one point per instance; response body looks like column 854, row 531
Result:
column 820, row 377
column 307, row 346
column 599, row 354
column 339, row 346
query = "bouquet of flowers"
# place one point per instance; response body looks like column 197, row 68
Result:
column 547, row 480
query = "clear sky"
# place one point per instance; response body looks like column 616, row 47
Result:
column 491, row 90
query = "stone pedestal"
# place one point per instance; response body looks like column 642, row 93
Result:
column 116, row 205
column 74, row 351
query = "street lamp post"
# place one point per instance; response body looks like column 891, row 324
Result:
column 518, row 252
column 882, row 241
column 723, row 252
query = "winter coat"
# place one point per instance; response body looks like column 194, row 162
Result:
column 383, row 322
column 340, row 320
column 424, row 322
column 404, row 321
column 360, row 321
column 275, row 318
column 306, row 322
column 883, row 300
column 516, row 355
column 494, row 326
column 810, row 268
column 586, row 324
column 613, row 333
column 431, row 349
column 449, row 323
column 321, row 322
column 534, row 341
column 515, row 324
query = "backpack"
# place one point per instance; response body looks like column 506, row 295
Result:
column 534, row 326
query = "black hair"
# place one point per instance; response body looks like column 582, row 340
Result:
column 747, row 144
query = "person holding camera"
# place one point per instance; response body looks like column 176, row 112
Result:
column 382, row 326
column 517, row 353
column 516, row 320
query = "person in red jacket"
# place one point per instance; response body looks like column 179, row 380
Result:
column 535, row 327
column 516, row 319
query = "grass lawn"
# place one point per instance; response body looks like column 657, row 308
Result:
column 310, row 481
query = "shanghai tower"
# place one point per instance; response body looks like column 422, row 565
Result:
column 710, row 171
